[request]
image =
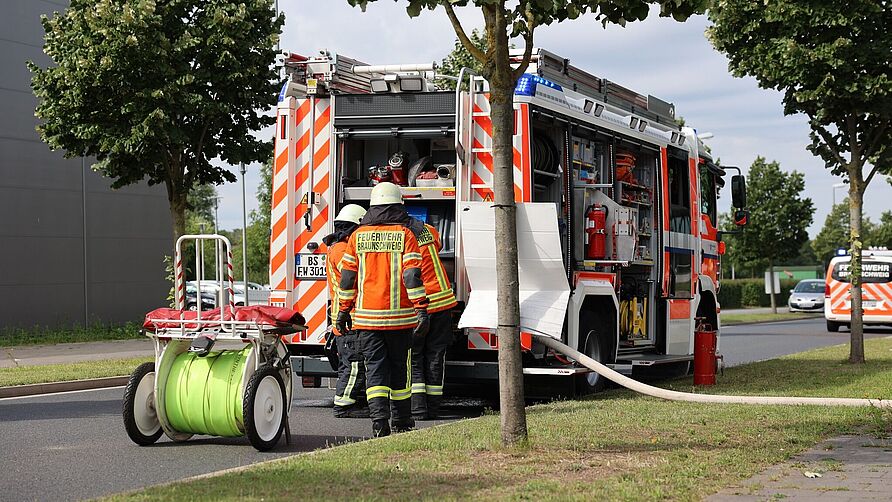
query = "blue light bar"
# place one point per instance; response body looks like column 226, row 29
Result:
column 526, row 84
column 282, row 91
column 842, row 252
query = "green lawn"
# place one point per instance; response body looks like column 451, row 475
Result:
column 614, row 446
column 25, row 375
column 730, row 319
column 38, row 335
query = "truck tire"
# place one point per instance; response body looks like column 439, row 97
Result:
column 591, row 382
column 833, row 326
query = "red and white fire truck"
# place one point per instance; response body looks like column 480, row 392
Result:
column 624, row 197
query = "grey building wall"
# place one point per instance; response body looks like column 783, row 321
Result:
column 72, row 250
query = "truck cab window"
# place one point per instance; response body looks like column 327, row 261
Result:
column 708, row 194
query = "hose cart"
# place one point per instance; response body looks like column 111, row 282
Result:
column 241, row 389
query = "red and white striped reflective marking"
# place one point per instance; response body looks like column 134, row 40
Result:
column 312, row 193
column 484, row 340
column 841, row 297
column 482, row 170
column 300, row 208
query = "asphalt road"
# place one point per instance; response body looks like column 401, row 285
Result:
column 73, row 446
column 756, row 342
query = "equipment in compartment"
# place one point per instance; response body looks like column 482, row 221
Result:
column 633, row 309
column 397, row 165
column 586, row 161
column 596, row 232
column 625, row 165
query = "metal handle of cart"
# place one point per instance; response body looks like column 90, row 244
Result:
column 180, row 278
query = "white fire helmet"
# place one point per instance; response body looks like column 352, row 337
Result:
column 386, row 193
column 351, row 213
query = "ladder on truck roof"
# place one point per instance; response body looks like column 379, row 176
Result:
column 326, row 74
column 559, row 70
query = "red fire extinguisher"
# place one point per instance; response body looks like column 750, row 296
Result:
column 596, row 232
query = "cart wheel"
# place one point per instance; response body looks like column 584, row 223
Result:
column 264, row 408
column 140, row 418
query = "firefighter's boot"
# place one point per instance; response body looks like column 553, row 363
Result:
column 419, row 405
column 380, row 428
column 404, row 425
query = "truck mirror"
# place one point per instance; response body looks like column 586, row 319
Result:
column 741, row 217
column 738, row 191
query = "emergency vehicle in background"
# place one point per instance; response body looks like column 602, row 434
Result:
column 876, row 289
column 631, row 193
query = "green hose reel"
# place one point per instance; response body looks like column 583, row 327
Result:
column 204, row 394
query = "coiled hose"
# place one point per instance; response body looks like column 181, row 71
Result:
column 672, row 395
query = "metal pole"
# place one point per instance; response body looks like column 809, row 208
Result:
column 244, row 234
column 86, row 261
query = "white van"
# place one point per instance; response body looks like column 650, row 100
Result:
column 876, row 287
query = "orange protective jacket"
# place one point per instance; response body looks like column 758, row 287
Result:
column 381, row 278
column 436, row 281
column 332, row 264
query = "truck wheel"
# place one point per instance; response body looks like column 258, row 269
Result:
column 592, row 382
column 140, row 418
column 833, row 327
column 264, row 408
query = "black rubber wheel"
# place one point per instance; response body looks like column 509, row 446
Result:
column 833, row 327
column 140, row 419
column 589, row 383
column 264, row 408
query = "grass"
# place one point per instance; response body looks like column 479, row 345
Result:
column 25, row 375
column 730, row 319
column 614, row 446
column 38, row 335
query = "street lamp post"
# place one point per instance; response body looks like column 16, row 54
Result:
column 835, row 186
column 244, row 234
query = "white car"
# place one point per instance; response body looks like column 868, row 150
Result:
column 257, row 294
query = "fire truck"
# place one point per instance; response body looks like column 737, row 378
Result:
column 617, row 222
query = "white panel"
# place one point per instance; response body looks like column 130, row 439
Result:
column 544, row 290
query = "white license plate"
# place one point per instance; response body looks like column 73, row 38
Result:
column 868, row 304
column 309, row 267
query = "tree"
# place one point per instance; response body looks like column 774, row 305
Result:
column 831, row 61
column 778, row 223
column 834, row 233
column 504, row 20
column 881, row 234
column 156, row 90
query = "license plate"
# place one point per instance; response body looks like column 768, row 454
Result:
column 309, row 267
column 868, row 304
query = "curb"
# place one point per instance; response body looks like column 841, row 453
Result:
column 770, row 321
column 48, row 388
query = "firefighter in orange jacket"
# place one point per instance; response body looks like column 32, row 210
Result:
column 429, row 352
column 349, row 400
column 381, row 284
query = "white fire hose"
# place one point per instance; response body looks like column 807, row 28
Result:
column 672, row 395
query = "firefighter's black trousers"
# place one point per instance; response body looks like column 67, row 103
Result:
column 429, row 365
column 387, row 355
column 351, row 373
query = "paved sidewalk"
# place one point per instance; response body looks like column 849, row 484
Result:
column 36, row 355
column 851, row 468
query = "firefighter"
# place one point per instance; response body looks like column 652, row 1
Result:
column 349, row 401
column 381, row 284
column 429, row 352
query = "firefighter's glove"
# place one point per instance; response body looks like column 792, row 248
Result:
column 344, row 323
column 424, row 324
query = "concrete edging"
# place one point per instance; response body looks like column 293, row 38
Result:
column 67, row 386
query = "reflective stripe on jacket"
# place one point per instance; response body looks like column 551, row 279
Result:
column 436, row 281
column 381, row 278
column 333, row 269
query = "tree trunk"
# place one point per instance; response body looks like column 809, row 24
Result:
column 501, row 84
column 856, row 196
column 772, row 292
column 177, row 204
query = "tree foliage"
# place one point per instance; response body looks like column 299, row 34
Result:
column 460, row 57
column 258, row 232
column 156, row 89
column 778, row 224
column 834, row 233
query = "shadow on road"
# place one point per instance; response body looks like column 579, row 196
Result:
column 13, row 411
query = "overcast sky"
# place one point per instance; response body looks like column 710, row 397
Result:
column 667, row 59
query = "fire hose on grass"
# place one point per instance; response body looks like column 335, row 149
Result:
column 672, row 395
